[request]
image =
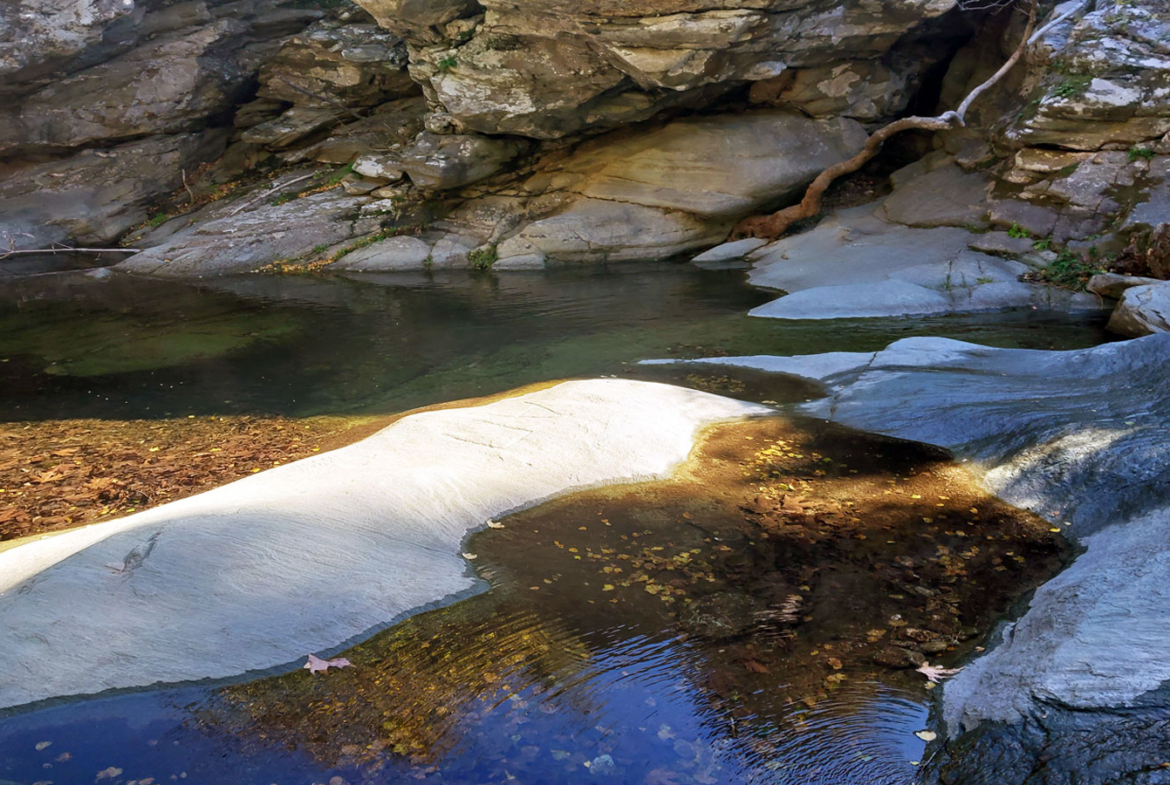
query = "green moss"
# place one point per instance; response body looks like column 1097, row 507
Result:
column 1140, row 153
column 1073, row 85
column 483, row 258
column 339, row 175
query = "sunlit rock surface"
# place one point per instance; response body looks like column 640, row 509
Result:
column 305, row 557
column 858, row 264
column 656, row 194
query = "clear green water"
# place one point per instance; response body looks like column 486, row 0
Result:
column 118, row 347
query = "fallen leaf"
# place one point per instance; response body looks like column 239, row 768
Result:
column 495, row 525
column 318, row 665
column 755, row 667
column 471, row 556
column 926, row 735
column 936, row 674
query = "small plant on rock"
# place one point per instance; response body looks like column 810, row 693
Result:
column 483, row 258
column 1140, row 153
column 1017, row 232
column 1071, row 271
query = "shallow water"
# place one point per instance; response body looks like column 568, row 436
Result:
column 510, row 686
column 621, row 708
column 120, row 348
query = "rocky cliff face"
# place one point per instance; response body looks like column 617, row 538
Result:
column 519, row 134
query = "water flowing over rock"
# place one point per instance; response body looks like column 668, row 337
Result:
column 308, row 556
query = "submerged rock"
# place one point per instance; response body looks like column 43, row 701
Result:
column 308, row 556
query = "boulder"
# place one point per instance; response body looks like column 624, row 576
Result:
column 42, row 36
column 943, row 196
column 858, row 265
column 394, row 122
column 597, row 230
column 1113, row 285
column 356, row 65
column 214, row 586
column 327, row 74
column 430, row 250
column 453, row 161
column 1106, row 81
column 1143, row 310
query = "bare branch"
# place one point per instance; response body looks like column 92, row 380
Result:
column 1043, row 31
column 269, row 192
column 57, row 248
column 190, row 193
column 1025, row 41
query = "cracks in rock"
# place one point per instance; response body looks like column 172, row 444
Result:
column 136, row 557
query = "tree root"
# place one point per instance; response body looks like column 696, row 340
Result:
column 769, row 227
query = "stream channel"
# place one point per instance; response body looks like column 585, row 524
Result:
column 729, row 625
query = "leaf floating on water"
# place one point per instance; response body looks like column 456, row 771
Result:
column 471, row 556
column 318, row 665
column 43, row 745
column 755, row 667
column 495, row 525
column 926, row 735
column 934, row 674
column 108, row 774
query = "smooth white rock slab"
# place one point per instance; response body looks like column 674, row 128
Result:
column 308, row 556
